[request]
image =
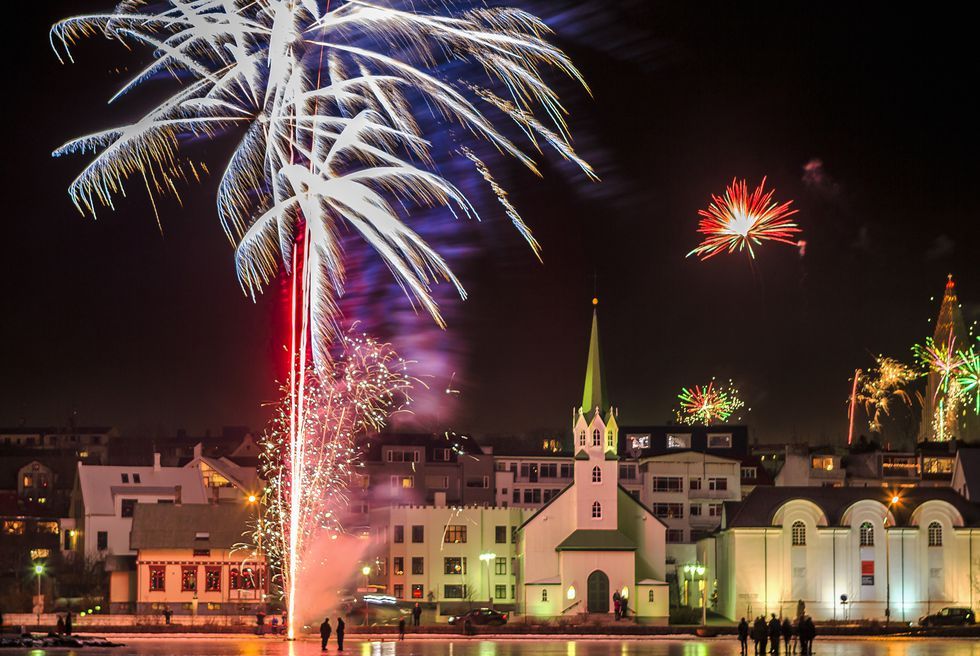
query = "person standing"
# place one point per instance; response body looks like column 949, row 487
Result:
column 743, row 636
column 61, row 625
column 401, row 628
column 68, row 622
column 324, row 634
column 616, row 605
column 762, row 632
column 787, row 634
column 417, row 614
column 775, row 630
column 341, row 627
column 624, row 607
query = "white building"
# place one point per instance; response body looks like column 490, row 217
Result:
column 448, row 555
column 594, row 539
column 104, row 498
column 825, row 545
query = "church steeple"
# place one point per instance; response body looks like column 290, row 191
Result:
column 594, row 394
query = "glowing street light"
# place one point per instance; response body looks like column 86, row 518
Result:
column 366, row 571
column 895, row 500
column 696, row 572
column 38, row 571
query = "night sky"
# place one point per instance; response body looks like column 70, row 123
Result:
column 124, row 326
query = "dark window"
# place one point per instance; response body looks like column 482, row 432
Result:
column 417, row 591
column 399, row 590
column 513, row 535
column 500, row 534
column 234, row 579
column 102, row 540
column 248, row 578
column 675, row 535
column 500, row 592
column 418, row 565
column 125, row 478
column 566, row 471
column 454, row 592
column 127, row 507
column 399, row 533
column 398, row 563
column 158, row 578
column 527, row 495
column 517, row 495
column 136, row 478
column 500, row 566
column 418, row 534
column 537, row 495
column 212, row 579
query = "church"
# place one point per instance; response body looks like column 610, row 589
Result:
column 593, row 539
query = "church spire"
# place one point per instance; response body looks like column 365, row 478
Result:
column 594, row 394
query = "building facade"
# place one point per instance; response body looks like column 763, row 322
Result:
column 847, row 553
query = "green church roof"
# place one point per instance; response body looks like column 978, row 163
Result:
column 596, row 540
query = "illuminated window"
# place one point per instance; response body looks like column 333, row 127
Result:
column 937, row 465
column 867, row 534
column 719, row 441
column 28, row 480
column 454, row 565
column 596, row 474
column 935, row 534
column 234, row 579
column 398, row 564
column 678, row 441
column 825, row 463
column 799, row 534
column 248, row 580
column 596, row 437
column 500, row 567
column 417, row 591
column 158, row 578
column 47, row 527
column 188, row 579
column 596, row 510
column 455, row 534
column 212, row 579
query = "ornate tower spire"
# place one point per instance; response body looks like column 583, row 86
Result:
column 594, row 394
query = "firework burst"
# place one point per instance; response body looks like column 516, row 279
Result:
column 328, row 101
column 708, row 404
column 882, row 385
column 739, row 219
column 944, row 360
column 367, row 384
column 968, row 376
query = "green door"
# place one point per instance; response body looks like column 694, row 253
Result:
column 598, row 597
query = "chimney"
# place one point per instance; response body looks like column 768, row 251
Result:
column 198, row 450
column 156, row 461
column 439, row 500
column 177, row 495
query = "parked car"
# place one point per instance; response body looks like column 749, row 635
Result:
column 480, row 617
column 949, row 616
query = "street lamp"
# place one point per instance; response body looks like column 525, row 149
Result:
column 253, row 500
column 488, row 558
column 39, row 570
column 366, row 571
column 888, row 569
column 698, row 569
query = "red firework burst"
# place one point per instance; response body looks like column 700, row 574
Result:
column 739, row 220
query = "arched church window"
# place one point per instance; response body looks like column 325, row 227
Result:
column 596, row 510
column 867, row 533
column 596, row 437
column 581, row 438
column 609, row 440
column 650, row 596
column 544, row 594
column 596, row 474
column 935, row 534
column 799, row 534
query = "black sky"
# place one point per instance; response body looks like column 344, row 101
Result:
column 147, row 332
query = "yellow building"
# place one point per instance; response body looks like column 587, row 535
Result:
column 192, row 559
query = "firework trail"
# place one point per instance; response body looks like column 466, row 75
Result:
column 739, row 219
column 943, row 359
column 708, row 404
column 968, row 376
column 880, row 386
column 367, row 384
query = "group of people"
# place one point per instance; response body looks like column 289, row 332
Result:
column 416, row 620
column 325, row 631
column 769, row 633
column 64, row 624
column 620, row 605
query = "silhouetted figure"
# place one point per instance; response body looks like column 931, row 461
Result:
column 68, row 622
column 743, row 636
column 260, row 622
column 624, row 607
column 401, row 629
column 775, row 630
column 807, row 633
column 167, row 614
column 759, row 634
column 787, row 633
column 417, row 614
column 325, row 634
column 341, row 627
column 617, row 605
column 61, row 625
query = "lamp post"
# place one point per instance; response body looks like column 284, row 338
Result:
column 698, row 570
column 366, row 571
column 253, row 500
column 888, row 579
column 487, row 558
column 39, row 570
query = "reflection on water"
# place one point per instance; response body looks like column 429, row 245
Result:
column 653, row 647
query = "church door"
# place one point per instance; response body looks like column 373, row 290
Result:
column 598, row 599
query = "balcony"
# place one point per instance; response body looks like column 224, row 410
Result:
column 712, row 494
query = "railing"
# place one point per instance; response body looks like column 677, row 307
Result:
column 576, row 603
column 711, row 494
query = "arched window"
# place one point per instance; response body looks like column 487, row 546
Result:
column 581, row 438
column 867, row 534
column 596, row 474
column 596, row 437
column 596, row 510
column 650, row 596
column 544, row 594
column 935, row 534
column 799, row 534
column 609, row 440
